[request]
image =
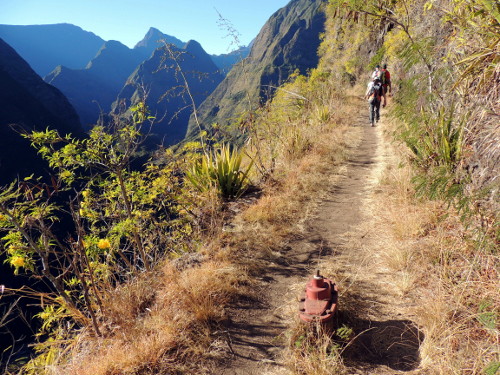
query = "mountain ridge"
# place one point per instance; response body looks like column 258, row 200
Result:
column 92, row 90
column 41, row 45
column 289, row 40
column 157, row 80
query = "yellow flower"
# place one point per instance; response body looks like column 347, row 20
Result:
column 66, row 174
column 2, row 217
column 17, row 261
column 103, row 244
column 85, row 193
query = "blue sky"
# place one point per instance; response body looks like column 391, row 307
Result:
column 128, row 20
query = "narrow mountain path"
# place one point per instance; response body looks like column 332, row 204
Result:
column 342, row 239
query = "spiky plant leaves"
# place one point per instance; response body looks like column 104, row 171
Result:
column 221, row 169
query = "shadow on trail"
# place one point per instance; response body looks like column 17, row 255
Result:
column 300, row 257
column 393, row 343
column 263, row 347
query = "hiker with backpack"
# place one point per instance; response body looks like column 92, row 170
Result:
column 375, row 94
column 384, row 76
column 376, row 73
column 386, row 79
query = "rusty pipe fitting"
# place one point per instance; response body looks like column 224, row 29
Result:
column 319, row 300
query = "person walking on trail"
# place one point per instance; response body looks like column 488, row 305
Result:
column 375, row 94
column 376, row 73
column 386, row 81
column 384, row 76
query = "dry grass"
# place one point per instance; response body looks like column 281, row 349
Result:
column 450, row 272
column 172, row 321
column 313, row 351
column 445, row 272
column 168, row 335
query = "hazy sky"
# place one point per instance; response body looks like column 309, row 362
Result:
column 128, row 20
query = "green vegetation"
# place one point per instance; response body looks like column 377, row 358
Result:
column 118, row 271
column 141, row 276
column 221, row 169
column 443, row 56
column 121, row 219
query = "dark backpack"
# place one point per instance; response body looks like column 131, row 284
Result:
column 375, row 92
column 381, row 76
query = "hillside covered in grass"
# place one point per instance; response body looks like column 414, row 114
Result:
column 144, row 275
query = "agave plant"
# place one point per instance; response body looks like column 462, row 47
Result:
column 221, row 169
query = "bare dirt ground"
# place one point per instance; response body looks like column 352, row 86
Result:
column 343, row 238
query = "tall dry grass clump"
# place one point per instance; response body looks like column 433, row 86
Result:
column 171, row 332
column 313, row 351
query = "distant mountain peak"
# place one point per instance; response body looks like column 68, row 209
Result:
column 152, row 39
column 152, row 35
column 113, row 44
column 194, row 48
column 154, row 30
column 112, row 49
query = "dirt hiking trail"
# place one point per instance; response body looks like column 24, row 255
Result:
column 344, row 229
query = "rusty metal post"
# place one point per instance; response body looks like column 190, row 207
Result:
column 319, row 301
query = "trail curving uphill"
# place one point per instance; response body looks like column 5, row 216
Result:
column 344, row 237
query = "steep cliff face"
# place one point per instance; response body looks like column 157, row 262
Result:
column 46, row 46
column 160, row 79
column 30, row 103
column 288, row 41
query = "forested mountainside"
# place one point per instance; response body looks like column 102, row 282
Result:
column 162, row 258
column 286, row 43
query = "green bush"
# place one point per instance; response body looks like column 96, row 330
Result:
column 221, row 169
